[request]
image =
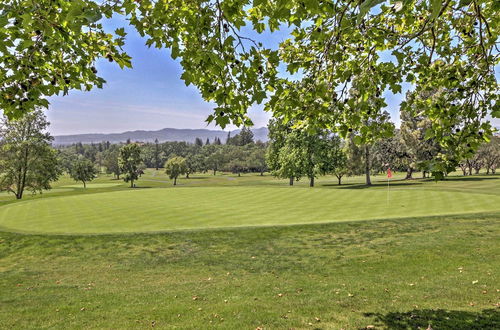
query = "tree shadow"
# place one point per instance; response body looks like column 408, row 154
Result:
column 393, row 184
column 438, row 319
column 472, row 178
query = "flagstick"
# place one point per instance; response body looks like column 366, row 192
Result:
column 388, row 190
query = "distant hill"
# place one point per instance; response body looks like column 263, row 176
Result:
column 163, row 135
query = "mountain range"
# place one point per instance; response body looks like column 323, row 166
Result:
column 163, row 135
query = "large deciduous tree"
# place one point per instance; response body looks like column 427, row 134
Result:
column 27, row 160
column 129, row 161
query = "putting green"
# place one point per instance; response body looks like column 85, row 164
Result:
column 144, row 210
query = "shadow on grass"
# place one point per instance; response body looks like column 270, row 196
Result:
column 471, row 178
column 439, row 319
column 397, row 183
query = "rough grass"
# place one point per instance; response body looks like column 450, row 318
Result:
column 398, row 274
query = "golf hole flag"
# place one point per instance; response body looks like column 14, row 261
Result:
column 389, row 173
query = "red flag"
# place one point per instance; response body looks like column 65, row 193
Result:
column 389, row 173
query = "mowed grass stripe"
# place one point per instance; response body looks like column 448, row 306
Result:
column 145, row 210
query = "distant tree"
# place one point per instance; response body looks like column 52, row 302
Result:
column 335, row 158
column 207, row 142
column 214, row 158
column 354, row 153
column 235, row 159
column 257, row 160
column 245, row 136
column 27, row 160
column 111, row 163
column 198, row 142
column 128, row 141
column 217, row 141
column 228, row 139
column 297, row 152
column 174, row 167
column 280, row 166
column 419, row 149
column 490, row 154
column 83, row 170
column 157, row 154
column 463, row 167
column 129, row 160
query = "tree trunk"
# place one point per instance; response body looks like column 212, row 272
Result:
column 340, row 180
column 175, row 181
column 367, row 165
column 311, row 181
column 261, row 173
column 477, row 170
column 409, row 173
column 487, row 170
column 131, row 183
column 187, row 175
column 84, row 185
column 215, row 171
column 291, row 181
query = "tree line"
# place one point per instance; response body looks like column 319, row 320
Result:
column 29, row 162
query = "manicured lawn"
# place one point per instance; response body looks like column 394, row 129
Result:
column 117, row 209
column 142, row 210
column 408, row 269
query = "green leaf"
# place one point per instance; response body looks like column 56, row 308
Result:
column 435, row 8
column 121, row 32
column 365, row 7
column 464, row 3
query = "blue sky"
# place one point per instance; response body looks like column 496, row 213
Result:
column 150, row 96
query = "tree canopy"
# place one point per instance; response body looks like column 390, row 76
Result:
column 129, row 161
column 83, row 170
column 342, row 58
column 174, row 167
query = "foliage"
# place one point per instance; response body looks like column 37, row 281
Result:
column 49, row 47
column 111, row 162
column 83, row 170
column 27, row 160
column 349, row 55
column 129, row 161
column 174, row 167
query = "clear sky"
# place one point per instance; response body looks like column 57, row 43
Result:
column 150, row 96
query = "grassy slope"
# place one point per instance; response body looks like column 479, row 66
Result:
column 386, row 273
column 400, row 273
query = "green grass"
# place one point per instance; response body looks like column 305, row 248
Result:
column 405, row 271
column 141, row 210
column 242, row 204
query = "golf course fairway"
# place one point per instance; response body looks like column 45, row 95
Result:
column 159, row 209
